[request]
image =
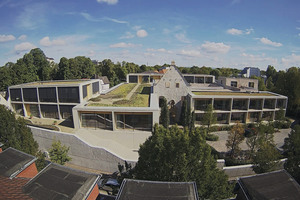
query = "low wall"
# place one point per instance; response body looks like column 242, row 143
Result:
column 82, row 154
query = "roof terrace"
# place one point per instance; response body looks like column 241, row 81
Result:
column 126, row 95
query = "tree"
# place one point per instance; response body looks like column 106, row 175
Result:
column 14, row 133
column 292, row 151
column 235, row 138
column 266, row 158
column 185, row 117
column 59, row 153
column 209, row 117
column 181, row 155
column 164, row 118
column 41, row 161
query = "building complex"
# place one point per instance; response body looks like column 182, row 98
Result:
column 135, row 103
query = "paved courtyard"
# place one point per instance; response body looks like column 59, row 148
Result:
column 220, row 145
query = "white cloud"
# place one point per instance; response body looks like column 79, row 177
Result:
column 182, row 38
column 122, row 45
column 234, row 31
column 109, row 2
column 47, row 42
column 256, row 59
column 141, row 33
column 291, row 61
column 6, row 38
column 213, row 47
column 161, row 50
column 88, row 17
column 190, row 53
column 22, row 37
column 127, row 35
column 24, row 46
column 269, row 42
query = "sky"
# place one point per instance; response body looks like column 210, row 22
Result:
column 212, row 33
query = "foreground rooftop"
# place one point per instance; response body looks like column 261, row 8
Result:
column 214, row 93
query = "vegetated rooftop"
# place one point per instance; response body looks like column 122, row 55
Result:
column 234, row 93
column 58, row 82
column 126, row 95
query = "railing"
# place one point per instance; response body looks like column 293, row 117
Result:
column 125, row 125
column 105, row 119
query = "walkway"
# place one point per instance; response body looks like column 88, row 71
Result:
column 124, row 143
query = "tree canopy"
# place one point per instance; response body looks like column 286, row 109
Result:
column 14, row 133
column 59, row 153
column 177, row 155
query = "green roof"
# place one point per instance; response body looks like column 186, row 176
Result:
column 127, row 95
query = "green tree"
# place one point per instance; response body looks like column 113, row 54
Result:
column 177, row 155
column 59, row 153
column 14, row 133
column 185, row 117
column 41, row 161
column 235, row 138
column 164, row 118
column 266, row 158
column 209, row 117
column 292, row 151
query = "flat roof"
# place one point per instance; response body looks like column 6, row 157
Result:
column 157, row 190
column 60, row 182
column 126, row 95
column 13, row 161
column 214, row 93
column 75, row 82
column 272, row 185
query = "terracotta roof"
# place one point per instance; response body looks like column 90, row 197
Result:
column 12, row 188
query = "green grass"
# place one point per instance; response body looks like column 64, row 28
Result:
column 140, row 98
column 117, row 93
column 234, row 93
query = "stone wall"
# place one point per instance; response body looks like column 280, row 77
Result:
column 81, row 153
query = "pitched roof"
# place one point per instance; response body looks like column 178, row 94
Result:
column 272, row 185
column 12, row 188
column 59, row 182
column 148, row 190
column 104, row 79
column 13, row 161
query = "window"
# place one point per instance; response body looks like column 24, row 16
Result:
column 30, row 94
column 167, row 84
column 68, row 94
column 251, row 84
column 47, row 94
column 233, row 84
column 177, row 85
column 15, row 94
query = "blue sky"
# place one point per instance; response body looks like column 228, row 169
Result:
column 213, row 33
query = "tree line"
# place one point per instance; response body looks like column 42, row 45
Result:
column 34, row 66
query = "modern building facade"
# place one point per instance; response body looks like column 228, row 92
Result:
column 250, row 71
column 135, row 103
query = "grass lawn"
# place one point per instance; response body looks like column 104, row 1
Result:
column 140, row 98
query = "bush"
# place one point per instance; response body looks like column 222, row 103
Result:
column 233, row 162
column 211, row 137
column 282, row 124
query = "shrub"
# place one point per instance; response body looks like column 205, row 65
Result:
column 211, row 137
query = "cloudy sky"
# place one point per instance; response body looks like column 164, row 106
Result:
column 213, row 33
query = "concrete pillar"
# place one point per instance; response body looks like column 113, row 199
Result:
column 114, row 121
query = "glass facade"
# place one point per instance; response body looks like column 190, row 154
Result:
column 255, row 104
column 267, row 116
column 134, row 121
column 222, row 118
column 65, row 111
column 199, row 79
column 269, row 103
column 253, row 116
column 238, row 117
column 96, row 87
column 145, row 79
column 202, row 104
column 239, row 104
column 30, row 94
column 222, row 104
column 133, row 79
column 84, row 91
column 47, row 94
column 281, row 103
column 208, row 79
column 49, row 111
column 68, row 94
column 15, row 94
column 198, row 118
column 96, row 120
column 18, row 108
column 34, row 110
